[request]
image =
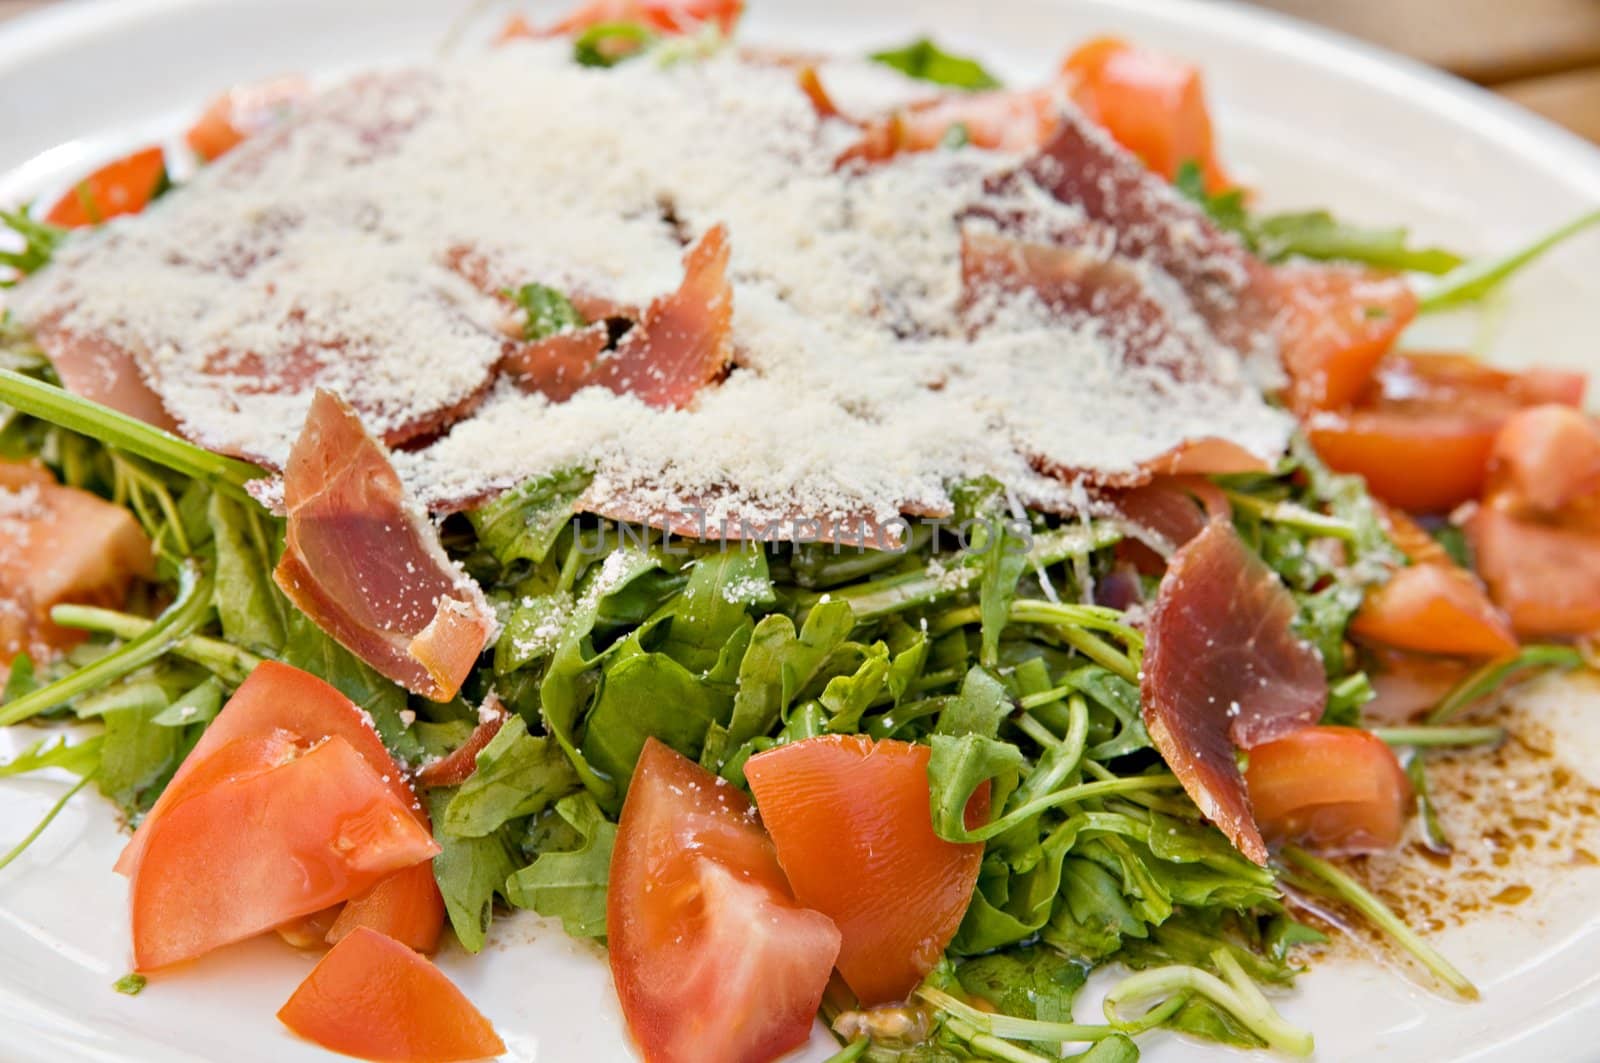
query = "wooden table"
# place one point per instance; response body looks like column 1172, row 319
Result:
column 1544, row 54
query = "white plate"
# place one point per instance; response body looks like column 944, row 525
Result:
column 1310, row 118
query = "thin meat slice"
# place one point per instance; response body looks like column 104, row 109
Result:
column 683, row 342
column 94, row 367
column 366, row 565
column 1171, row 510
column 1223, row 668
column 556, row 366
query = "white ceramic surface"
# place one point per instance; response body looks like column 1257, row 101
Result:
column 1310, row 118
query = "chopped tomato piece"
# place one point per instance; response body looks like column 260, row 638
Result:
column 1546, row 578
column 1423, row 432
column 458, row 767
column 1546, row 461
column 1334, row 788
column 406, row 906
column 58, row 545
column 1151, row 103
column 373, row 998
column 1338, row 323
column 242, row 112
column 851, row 822
column 713, row 960
column 238, row 859
column 274, row 699
column 662, row 16
column 123, row 187
column 1435, row 608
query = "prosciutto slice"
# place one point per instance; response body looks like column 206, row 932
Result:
column 1222, row 669
column 366, row 565
column 681, row 344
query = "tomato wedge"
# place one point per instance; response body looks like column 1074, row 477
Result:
column 1151, row 103
column 373, row 998
column 123, row 187
column 713, row 960
column 1423, row 433
column 1335, row 788
column 851, row 822
column 1546, row 578
column 275, row 697
column 60, row 544
column 1546, row 461
column 237, row 860
column 242, row 112
column 1338, row 323
column 405, row 906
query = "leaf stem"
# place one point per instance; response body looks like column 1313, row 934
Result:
column 1237, row 995
column 1424, row 736
column 851, row 1052
column 115, row 429
column 1330, row 881
column 225, row 660
column 1291, row 515
column 49, row 817
column 1477, row 278
column 1483, row 682
column 186, row 613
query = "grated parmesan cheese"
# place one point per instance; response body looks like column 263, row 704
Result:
column 319, row 255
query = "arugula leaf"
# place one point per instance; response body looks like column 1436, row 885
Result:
column 250, row 607
column 137, row 755
column 548, row 310
column 199, row 705
column 518, row 774
column 610, row 43
column 130, row 984
column 926, row 61
column 1114, row 1049
column 1226, row 208
column 643, row 696
column 847, row 697
column 721, row 589
column 998, row 550
column 1477, row 279
column 39, row 242
column 956, row 768
column 20, row 680
column 571, row 884
column 979, row 709
column 80, row 758
column 523, row 523
column 1036, row 982
column 777, row 666
column 470, row 871
column 1093, row 916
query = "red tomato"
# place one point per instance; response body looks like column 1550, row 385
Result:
column 1334, row 788
column 458, row 767
column 662, row 16
column 1152, row 104
column 277, row 697
column 373, row 998
column 1338, row 323
column 57, row 545
column 1435, row 608
column 239, row 859
column 242, row 112
column 122, row 187
column 1546, row 460
column 1546, row 578
column 713, row 960
column 405, row 906
column 853, row 830
column 1423, row 433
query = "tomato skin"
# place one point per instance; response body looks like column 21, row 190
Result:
column 123, row 187
column 277, row 697
column 406, row 906
column 1339, row 789
column 1339, row 322
column 851, row 822
column 237, row 860
column 1546, row 460
column 712, row 959
column 1546, row 578
column 242, row 112
column 373, row 998
column 1151, row 103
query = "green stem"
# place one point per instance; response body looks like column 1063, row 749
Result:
column 126, row 433
column 1426, row 737
column 1492, row 676
column 851, row 1052
column 1477, row 278
column 185, row 614
column 1332, row 882
column 1291, row 515
column 1237, row 996
column 223, row 659
column 1071, row 795
column 49, row 817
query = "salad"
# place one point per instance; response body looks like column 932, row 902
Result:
column 815, row 676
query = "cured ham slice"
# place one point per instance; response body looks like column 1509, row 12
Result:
column 367, row 566
column 1222, row 669
column 96, row 368
column 681, row 344
column 1171, row 511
